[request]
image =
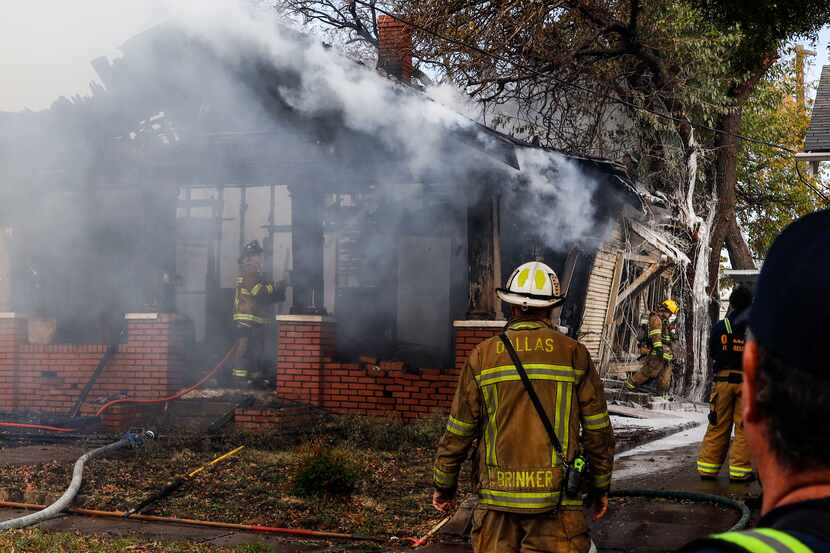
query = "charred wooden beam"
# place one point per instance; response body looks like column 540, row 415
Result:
column 307, row 250
column 483, row 256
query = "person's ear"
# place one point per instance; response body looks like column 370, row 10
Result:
column 750, row 387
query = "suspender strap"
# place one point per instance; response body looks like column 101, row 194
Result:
column 534, row 399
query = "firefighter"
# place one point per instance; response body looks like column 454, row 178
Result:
column 726, row 348
column 786, row 396
column 523, row 504
column 253, row 296
column 657, row 368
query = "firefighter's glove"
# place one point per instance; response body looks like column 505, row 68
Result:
column 443, row 501
column 600, row 507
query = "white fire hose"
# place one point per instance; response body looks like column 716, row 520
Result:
column 53, row 510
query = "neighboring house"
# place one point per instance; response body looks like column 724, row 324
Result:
column 141, row 197
column 817, row 141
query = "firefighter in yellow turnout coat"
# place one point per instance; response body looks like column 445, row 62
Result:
column 658, row 363
column 726, row 348
column 253, row 297
column 522, row 501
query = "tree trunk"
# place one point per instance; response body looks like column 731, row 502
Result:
column 726, row 231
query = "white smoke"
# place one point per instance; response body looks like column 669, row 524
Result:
column 410, row 123
column 556, row 182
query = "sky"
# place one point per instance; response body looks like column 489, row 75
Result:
column 46, row 45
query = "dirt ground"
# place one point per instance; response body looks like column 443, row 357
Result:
column 391, row 498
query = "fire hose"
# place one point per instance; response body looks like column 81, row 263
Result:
column 204, row 523
column 53, row 510
column 697, row 497
column 106, row 406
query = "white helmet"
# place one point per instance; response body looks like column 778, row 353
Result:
column 532, row 284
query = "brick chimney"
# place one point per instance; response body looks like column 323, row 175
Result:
column 395, row 48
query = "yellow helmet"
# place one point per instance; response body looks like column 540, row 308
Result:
column 532, row 284
column 671, row 305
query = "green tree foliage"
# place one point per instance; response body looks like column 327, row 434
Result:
column 770, row 191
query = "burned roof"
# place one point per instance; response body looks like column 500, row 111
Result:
column 818, row 135
column 177, row 110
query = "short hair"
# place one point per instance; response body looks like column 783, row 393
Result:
column 794, row 404
column 740, row 298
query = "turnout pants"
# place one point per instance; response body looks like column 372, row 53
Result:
column 250, row 342
column 654, row 368
column 562, row 531
column 725, row 404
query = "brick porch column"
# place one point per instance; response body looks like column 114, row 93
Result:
column 149, row 365
column 12, row 332
column 468, row 334
column 305, row 343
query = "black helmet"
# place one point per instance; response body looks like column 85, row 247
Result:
column 740, row 298
column 252, row 248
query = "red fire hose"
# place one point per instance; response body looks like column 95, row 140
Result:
column 204, row 523
column 177, row 395
column 35, row 426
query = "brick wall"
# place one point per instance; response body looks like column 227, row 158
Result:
column 49, row 378
column 284, row 420
column 470, row 333
column 395, row 47
column 307, row 373
column 306, row 342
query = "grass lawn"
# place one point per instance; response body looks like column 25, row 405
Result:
column 36, row 541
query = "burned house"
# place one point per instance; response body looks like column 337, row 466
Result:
column 390, row 216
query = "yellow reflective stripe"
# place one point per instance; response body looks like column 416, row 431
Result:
column 460, row 428
column 251, row 318
column 535, row 371
column 795, row 545
column 244, row 291
column 554, row 458
column 539, row 279
column 744, row 470
column 444, row 479
column 526, row 326
column 602, row 480
column 523, row 276
column 490, row 430
column 528, row 367
column 563, row 416
column 655, row 332
column 257, row 287
column 269, row 288
column 568, row 502
column 728, row 326
column 764, row 540
column 658, row 344
column 241, row 373
column 707, row 468
column 596, row 422
column 518, row 500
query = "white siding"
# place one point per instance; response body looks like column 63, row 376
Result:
column 598, row 294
